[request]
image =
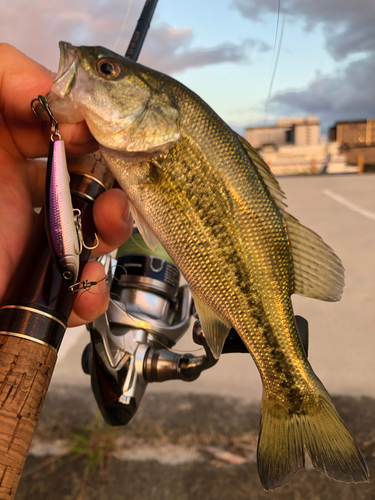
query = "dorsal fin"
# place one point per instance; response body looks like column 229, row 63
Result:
column 264, row 171
column 318, row 272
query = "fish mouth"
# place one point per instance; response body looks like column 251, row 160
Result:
column 67, row 72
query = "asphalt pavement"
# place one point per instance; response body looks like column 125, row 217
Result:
column 199, row 440
column 341, row 209
column 177, row 446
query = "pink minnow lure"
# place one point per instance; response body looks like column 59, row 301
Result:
column 61, row 223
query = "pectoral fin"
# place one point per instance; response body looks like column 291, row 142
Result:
column 214, row 328
column 144, row 228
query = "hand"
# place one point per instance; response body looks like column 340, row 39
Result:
column 22, row 139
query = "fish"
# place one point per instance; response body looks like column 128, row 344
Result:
column 213, row 203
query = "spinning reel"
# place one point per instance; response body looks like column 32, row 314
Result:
column 148, row 313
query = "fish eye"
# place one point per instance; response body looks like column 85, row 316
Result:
column 108, row 68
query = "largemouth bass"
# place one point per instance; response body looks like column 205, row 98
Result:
column 209, row 198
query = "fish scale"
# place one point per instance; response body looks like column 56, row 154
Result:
column 214, row 204
column 263, row 247
column 205, row 279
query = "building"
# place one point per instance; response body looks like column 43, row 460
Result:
column 288, row 131
column 295, row 146
column 355, row 139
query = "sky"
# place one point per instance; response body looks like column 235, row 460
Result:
column 226, row 50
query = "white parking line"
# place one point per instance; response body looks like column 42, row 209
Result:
column 349, row 204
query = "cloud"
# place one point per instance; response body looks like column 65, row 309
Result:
column 36, row 28
column 96, row 22
column 169, row 50
column 347, row 95
column 348, row 25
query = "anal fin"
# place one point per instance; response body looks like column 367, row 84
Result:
column 214, row 328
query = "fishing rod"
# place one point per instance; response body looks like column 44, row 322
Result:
column 35, row 316
column 140, row 32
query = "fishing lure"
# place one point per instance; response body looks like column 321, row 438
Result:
column 63, row 223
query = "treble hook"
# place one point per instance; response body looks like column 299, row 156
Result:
column 54, row 123
column 81, row 242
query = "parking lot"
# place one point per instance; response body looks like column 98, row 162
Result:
column 341, row 209
column 199, row 439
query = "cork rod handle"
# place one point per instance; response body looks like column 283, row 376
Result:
column 25, row 372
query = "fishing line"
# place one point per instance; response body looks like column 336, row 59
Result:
column 177, row 351
column 139, row 322
column 123, row 26
column 86, row 285
column 118, row 298
column 274, row 70
column 277, row 30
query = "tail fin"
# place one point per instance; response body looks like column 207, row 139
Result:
column 284, row 437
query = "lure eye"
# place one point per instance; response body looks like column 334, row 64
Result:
column 68, row 275
column 108, row 68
